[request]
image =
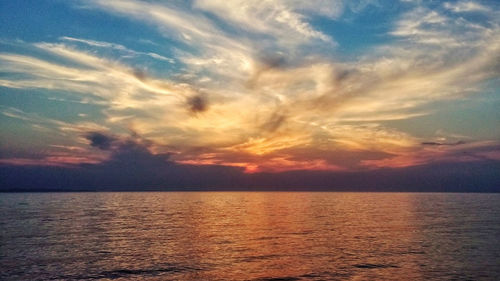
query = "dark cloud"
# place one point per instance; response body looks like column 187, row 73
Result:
column 132, row 166
column 342, row 158
column 132, row 153
column 343, row 75
column 273, row 61
column 443, row 143
column 100, row 140
column 197, row 103
column 155, row 173
column 124, row 150
column 140, row 75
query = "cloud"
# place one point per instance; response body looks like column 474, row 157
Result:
column 132, row 166
column 447, row 32
column 465, row 6
column 314, row 98
column 433, row 152
column 100, row 140
column 178, row 22
column 197, row 103
column 280, row 19
column 274, row 91
column 117, row 47
column 441, row 143
column 137, row 170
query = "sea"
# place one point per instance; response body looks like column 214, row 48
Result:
column 249, row 236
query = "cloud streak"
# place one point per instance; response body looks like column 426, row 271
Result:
column 250, row 84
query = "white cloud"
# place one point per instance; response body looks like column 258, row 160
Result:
column 264, row 111
column 465, row 6
column 280, row 19
column 118, row 47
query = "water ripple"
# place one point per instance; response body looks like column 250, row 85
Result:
column 249, row 236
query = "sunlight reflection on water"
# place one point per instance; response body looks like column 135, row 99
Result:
column 249, row 236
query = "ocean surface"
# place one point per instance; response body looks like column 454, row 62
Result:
column 249, row 236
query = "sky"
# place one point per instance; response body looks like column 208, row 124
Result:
column 368, row 94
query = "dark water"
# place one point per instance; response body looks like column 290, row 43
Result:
column 249, row 236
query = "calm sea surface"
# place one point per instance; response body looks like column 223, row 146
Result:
column 249, row 236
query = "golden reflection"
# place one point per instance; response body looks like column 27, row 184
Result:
column 251, row 236
column 259, row 235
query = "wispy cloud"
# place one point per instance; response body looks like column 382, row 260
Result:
column 466, row 6
column 118, row 47
column 254, row 90
column 280, row 19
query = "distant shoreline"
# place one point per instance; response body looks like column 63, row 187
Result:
column 237, row 190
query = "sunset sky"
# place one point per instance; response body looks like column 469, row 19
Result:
column 192, row 88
